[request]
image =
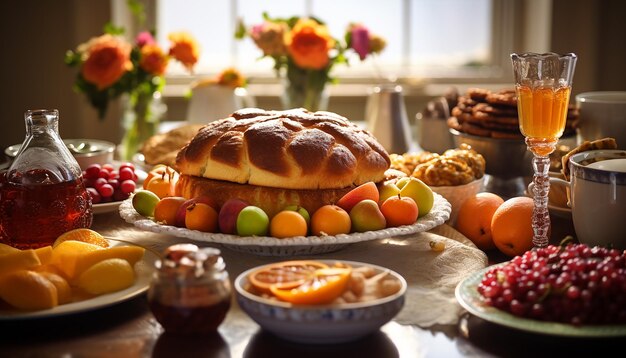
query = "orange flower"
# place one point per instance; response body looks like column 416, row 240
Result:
column 231, row 77
column 184, row 48
column 107, row 58
column 153, row 60
column 308, row 44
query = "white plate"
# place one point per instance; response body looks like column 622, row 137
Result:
column 143, row 272
column 467, row 294
column 104, row 208
column 271, row 246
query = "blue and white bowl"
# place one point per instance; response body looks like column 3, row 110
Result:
column 321, row 324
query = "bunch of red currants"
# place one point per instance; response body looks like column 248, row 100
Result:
column 105, row 184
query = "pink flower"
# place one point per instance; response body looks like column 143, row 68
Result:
column 144, row 38
column 360, row 40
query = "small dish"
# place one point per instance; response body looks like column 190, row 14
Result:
column 321, row 324
column 103, row 208
column 86, row 151
column 468, row 297
column 143, row 276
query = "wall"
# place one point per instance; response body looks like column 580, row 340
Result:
column 37, row 34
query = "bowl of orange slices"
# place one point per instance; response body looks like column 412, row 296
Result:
column 320, row 301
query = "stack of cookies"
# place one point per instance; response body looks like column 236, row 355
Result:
column 484, row 113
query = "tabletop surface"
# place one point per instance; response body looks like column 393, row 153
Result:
column 128, row 329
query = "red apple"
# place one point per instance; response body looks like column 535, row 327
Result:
column 358, row 194
column 227, row 218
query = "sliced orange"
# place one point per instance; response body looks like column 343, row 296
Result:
column 82, row 234
column 44, row 254
column 20, row 259
column 5, row 249
column 28, row 290
column 325, row 285
column 284, row 275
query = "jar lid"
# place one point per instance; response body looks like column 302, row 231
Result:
column 190, row 260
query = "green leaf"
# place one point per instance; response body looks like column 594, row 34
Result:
column 137, row 9
column 111, row 29
column 72, row 58
column 240, row 30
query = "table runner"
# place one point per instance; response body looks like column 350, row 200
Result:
column 431, row 276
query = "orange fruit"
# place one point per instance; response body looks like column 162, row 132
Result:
column 162, row 182
column 131, row 254
column 201, row 217
column 66, row 255
column 283, row 275
column 82, row 234
column 322, row 287
column 399, row 211
column 166, row 209
column 511, row 226
column 156, row 170
column 330, row 220
column 44, row 254
column 64, row 292
column 28, row 290
column 474, row 218
column 107, row 276
column 17, row 260
column 288, row 224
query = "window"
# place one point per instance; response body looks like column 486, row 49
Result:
column 441, row 41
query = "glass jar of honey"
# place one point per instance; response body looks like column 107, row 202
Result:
column 42, row 194
column 190, row 293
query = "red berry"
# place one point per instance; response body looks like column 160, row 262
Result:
column 108, row 167
column 95, row 196
column 128, row 186
column 99, row 182
column 92, row 171
column 127, row 165
column 106, row 190
column 126, row 174
column 103, row 174
column 114, row 183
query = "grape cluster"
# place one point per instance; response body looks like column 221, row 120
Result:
column 574, row 284
column 105, row 184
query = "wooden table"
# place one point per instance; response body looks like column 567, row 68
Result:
column 128, row 329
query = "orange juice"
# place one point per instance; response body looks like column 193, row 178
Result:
column 542, row 111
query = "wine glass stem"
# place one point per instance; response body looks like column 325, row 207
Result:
column 541, row 216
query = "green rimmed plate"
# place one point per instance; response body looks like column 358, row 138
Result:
column 467, row 295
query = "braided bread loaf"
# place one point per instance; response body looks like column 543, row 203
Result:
column 293, row 149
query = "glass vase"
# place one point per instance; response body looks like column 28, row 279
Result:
column 305, row 88
column 142, row 114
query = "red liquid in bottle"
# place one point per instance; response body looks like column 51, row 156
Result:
column 192, row 320
column 34, row 211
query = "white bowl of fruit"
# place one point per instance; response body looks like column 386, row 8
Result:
column 321, row 301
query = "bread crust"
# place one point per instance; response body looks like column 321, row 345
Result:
column 294, row 149
column 271, row 200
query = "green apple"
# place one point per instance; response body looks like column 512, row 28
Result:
column 144, row 201
column 252, row 220
column 302, row 211
column 387, row 190
column 400, row 183
column 366, row 216
column 421, row 193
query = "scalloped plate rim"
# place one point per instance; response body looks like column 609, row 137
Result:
column 438, row 215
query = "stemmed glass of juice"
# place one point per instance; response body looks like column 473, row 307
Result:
column 543, row 83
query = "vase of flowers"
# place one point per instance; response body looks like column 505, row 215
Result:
column 111, row 67
column 304, row 54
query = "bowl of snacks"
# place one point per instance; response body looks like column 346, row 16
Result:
column 322, row 301
column 456, row 174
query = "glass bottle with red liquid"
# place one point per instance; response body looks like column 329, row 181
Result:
column 42, row 193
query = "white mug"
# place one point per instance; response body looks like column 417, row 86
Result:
column 597, row 189
column 602, row 114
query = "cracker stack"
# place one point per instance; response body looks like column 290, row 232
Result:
column 485, row 113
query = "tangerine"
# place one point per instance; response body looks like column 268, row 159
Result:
column 201, row 217
column 511, row 226
column 166, row 209
column 288, row 223
column 330, row 220
column 474, row 219
column 82, row 234
column 399, row 211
